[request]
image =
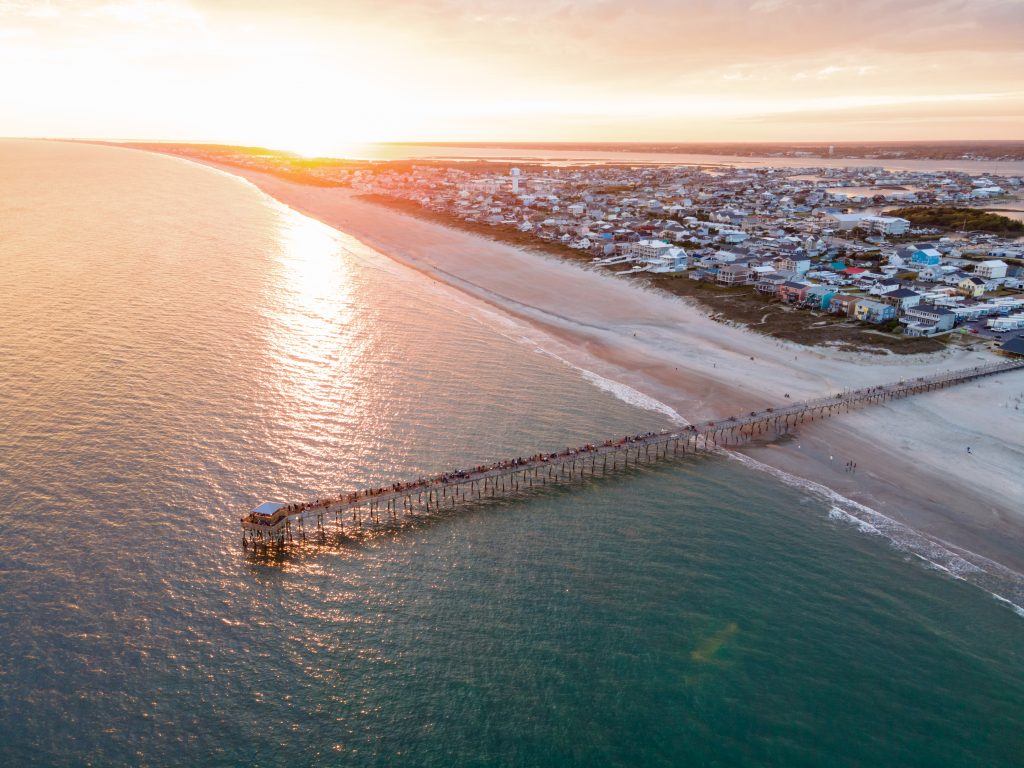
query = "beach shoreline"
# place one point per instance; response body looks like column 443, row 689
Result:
column 910, row 454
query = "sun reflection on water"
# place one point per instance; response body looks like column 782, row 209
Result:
column 314, row 339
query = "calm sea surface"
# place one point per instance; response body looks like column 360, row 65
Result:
column 175, row 347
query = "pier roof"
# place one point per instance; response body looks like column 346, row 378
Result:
column 267, row 508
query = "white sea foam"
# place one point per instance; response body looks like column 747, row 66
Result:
column 632, row 396
column 863, row 525
column 975, row 569
column 1016, row 608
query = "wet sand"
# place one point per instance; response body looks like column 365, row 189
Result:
column 912, row 463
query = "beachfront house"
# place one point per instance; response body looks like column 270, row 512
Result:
column 820, row 295
column 843, row 304
column 871, row 311
column 768, row 284
column 734, row 274
column 649, row 249
column 927, row 320
column 673, row 261
column 792, row 293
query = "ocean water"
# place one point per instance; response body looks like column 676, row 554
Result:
column 175, row 347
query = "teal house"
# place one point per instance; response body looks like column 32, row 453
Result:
column 820, row 295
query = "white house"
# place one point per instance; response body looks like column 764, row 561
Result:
column 885, row 225
column 846, row 221
column 936, row 272
column 674, row 260
column 993, row 268
column 983, row 192
column 649, row 249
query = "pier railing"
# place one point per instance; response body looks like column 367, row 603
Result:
column 360, row 510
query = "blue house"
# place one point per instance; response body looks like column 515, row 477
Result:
column 926, row 257
column 873, row 311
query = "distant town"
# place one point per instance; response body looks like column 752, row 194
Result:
column 820, row 250
column 883, row 150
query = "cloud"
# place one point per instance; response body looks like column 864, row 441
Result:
column 528, row 65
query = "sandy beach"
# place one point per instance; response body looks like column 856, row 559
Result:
column 913, row 466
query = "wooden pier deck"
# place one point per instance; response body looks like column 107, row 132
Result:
column 356, row 511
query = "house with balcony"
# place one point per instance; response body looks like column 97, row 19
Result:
column 792, row 263
column 901, row 299
column 928, row 320
column 991, row 269
column 734, row 274
column 972, row 287
column 673, row 261
column 820, row 296
column 768, row 285
column 871, row 311
column 885, row 225
column 843, row 304
column 649, row 249
column 791, row 292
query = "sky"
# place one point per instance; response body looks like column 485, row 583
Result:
column 311, row 75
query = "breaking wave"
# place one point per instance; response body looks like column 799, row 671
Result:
column 1002, row 583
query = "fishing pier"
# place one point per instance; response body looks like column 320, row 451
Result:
column 274, row 524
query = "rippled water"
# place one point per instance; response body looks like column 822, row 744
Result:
column 176, row 347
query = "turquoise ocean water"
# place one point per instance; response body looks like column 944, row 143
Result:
column 175, row 347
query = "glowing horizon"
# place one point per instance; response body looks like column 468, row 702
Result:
column 312, row 75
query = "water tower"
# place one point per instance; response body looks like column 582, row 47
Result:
column 515, row 173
